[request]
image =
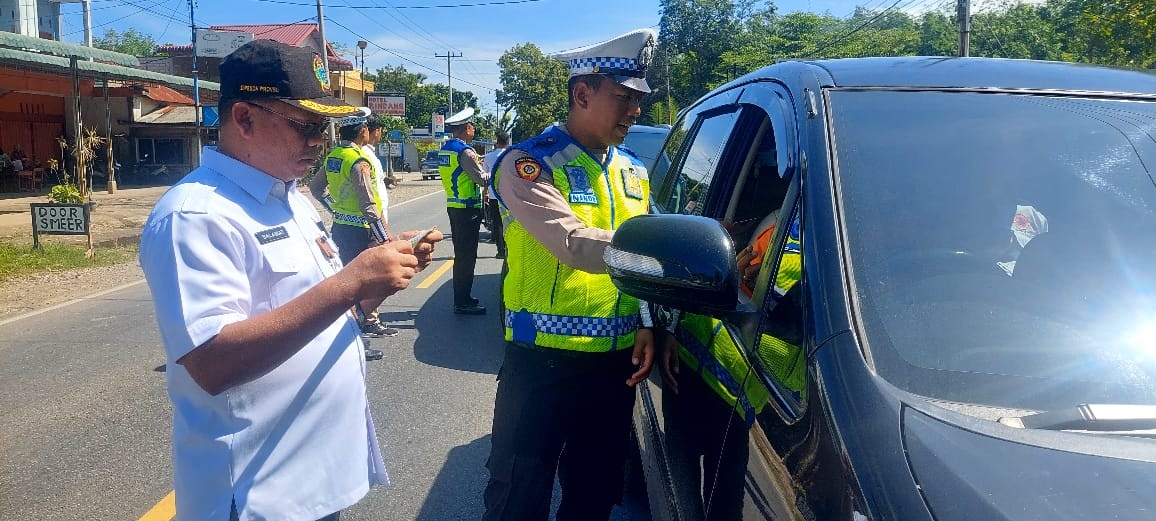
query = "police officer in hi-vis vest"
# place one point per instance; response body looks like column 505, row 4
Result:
column 462, row 177
column 347, row 186
column 576, row 346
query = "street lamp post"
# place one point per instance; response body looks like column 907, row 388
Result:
column 361, row 45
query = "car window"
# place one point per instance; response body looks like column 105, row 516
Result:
column 778, row 346
column 687, row 192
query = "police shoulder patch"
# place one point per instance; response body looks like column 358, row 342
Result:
column 528, row 168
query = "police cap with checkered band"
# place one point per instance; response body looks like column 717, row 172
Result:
column 624, row 58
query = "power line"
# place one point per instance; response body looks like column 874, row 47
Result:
column 137, row 12
column 844, row 36
column 448, row 6
column 172, row 15
column 355, row 33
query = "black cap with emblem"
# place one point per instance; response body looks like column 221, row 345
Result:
column 267, row 69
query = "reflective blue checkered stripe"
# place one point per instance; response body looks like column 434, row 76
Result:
column 467, row 202
column 579, row 326
column 589, row 65
column 709, row 363
column 350, row 219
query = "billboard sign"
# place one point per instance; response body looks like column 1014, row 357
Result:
column 219, row 44
column 439, row 124
column 386, row 103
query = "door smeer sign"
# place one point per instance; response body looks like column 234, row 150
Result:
column 59, row 219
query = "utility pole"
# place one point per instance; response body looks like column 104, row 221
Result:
column 325, row 63
column 324, row 43
column 449, row 55
column 196, row 89
column 964, row 27
column 669, row 98
column 87, row 23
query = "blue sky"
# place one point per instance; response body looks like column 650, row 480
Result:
column 400, row 34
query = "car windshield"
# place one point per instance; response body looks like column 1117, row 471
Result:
column 1002, row 246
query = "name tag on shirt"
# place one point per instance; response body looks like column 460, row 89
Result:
column 272, row 235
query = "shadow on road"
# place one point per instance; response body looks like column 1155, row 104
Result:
column 465, row 343
column 456, row 492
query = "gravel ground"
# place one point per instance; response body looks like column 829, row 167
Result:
column 46, row 289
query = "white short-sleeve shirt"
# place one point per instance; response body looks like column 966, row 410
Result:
column 379, row 170
column 227, row 243
column 490, row 163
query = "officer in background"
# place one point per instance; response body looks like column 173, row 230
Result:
column 348, row 187
column 493, row 210
column 462, row 177
column 576, row 346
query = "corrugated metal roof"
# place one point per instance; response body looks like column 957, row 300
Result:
column 59, row 65
column 20, row 42
column 169, row 115
column 164, row 94
column 288, row 34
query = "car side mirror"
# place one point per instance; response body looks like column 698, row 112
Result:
column 685, row 262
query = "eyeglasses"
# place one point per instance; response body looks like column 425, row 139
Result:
column 306, row 130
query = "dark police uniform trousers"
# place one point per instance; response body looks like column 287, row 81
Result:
column 559, row 411
column 464, row 233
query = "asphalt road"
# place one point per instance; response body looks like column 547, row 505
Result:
column 85, row 420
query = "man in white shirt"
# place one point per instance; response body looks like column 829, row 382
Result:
column 264, row 362
column 493, row 208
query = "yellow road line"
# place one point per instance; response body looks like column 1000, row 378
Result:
column 433, row 277
column 165, row 510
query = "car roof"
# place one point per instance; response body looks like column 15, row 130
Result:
column 999, row 73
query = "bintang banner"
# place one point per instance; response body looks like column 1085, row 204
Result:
column 386, row 103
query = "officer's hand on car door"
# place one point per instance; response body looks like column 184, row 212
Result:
column 643, row 356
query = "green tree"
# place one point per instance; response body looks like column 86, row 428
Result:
column 422, row 101
column 128, row 42
column 938, row 35
column 1120, row 32
column 533, row 89
column 696, row 33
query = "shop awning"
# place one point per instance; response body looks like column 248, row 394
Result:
column 96, row 70
column 63, row 49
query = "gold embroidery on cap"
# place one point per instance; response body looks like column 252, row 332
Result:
column 320, row 72
column 326, row 109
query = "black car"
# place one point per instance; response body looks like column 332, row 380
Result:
column 429, row 166
column 955, row 318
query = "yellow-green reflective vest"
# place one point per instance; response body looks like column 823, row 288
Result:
column 551, row 304
column 338, row 165
column 708, row 348
column 461, row 191
column 785, row 360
